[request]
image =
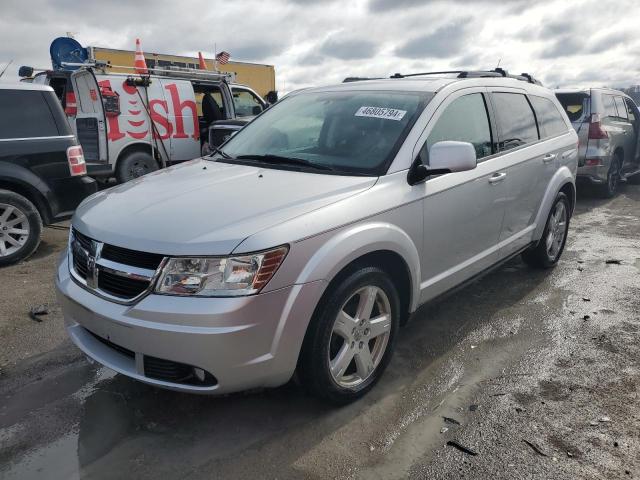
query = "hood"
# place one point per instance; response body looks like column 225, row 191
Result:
column 206, row 208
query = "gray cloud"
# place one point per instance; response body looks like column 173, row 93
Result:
column 565, row 46
column 609, row 41
column 444, row 42
column 313, row 42
column 348, row 48
column 386, row 5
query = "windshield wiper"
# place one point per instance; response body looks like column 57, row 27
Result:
column 281, row 160
column 219, row 152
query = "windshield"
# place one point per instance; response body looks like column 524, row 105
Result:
column 345, row 132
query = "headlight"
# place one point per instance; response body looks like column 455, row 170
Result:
column 221, row 276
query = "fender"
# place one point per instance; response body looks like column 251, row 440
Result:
column 38, row 191
column 355, row 241
column 562, row 177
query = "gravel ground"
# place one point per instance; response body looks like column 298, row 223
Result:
column 536, row 372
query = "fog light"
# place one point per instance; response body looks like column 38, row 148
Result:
column 199, row 373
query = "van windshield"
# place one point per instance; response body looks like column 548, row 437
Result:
column 342, row 132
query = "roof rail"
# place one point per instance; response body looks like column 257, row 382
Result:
column 359, row 79
column 497, row 72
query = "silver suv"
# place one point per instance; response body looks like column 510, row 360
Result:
column 608, row 124
column 308, row 240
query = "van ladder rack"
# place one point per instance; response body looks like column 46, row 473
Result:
column 180, row 72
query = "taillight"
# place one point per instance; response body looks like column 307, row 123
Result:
column 596, row 132
column 71, row 106
column 593, row 162
column 75, row 157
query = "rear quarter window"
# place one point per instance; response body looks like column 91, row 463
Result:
column 549, row 117
column 26, row 114
column 516, row 122
column 609, row 106
column 622, row 110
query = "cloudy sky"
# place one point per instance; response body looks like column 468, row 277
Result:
column 314, row 42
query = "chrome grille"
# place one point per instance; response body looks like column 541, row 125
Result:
column 112, row 272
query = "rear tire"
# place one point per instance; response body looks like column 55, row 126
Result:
column 348, row 343
column 609, row 189
column 550, row 247
column 135, row 165
column 20, row 228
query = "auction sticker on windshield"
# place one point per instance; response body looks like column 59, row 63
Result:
column 381, row 112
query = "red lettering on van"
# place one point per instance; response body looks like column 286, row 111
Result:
column 160, row 118
column 178, row 108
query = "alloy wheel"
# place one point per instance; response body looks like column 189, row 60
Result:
column 14, row 229
column 360, row 336
column 556, row 230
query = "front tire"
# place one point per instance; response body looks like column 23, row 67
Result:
column 550, row 247
column 351, row 338
column 134, row 165
column 20, row 228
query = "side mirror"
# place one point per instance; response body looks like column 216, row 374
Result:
column 454, row 156
column 444, row 157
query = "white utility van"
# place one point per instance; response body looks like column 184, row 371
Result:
column 130, row 124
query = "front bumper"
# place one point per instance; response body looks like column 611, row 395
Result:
column 243, row 342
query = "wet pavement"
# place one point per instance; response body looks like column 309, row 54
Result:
column 539, row 368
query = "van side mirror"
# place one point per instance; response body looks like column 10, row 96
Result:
column 444, row 157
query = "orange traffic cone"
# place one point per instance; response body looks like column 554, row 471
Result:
column 203, row 64
column 139, row 64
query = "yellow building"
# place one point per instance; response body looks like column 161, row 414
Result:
column 262, row 78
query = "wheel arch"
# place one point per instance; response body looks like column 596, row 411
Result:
column 131, row 148
column 376, row 244
column 29, row 192
column 562, row 181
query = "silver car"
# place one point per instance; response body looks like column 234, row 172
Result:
column 608, row 123
column 309, row 239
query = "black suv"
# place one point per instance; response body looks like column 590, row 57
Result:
column 42, row 169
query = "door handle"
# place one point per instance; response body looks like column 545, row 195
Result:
column 549, row 157
column 497, row 177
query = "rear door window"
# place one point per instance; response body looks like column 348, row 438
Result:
column 25, row 114
column 464, row 120
column 622, row 109
column 550, row 120
column 516, row 122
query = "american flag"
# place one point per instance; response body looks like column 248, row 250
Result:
column 223, row 57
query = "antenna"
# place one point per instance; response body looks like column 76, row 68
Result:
column 499, row 61
column 5, row 67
